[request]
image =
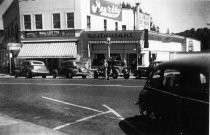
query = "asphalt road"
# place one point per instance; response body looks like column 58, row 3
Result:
column 78, row 106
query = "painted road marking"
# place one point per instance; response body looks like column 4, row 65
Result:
column 80, row 120
column 81, row 84
column 115, row 113
column 63, row 102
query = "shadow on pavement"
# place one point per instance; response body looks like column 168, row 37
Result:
column 140, row 125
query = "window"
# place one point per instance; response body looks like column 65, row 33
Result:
column 70, row 20
column 88, row 22
column 38, row 21
column 123, row 27
column 105, row 24
column 171, row 80
column 156, row 80
column 56, row 20
column 116, row 26
column 27, row 22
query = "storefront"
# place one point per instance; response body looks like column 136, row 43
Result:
column 119, row 45
column 128, row 46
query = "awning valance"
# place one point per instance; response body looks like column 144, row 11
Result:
column 116, row 42
column 48, row 50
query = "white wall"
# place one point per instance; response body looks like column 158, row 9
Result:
column 161, row 46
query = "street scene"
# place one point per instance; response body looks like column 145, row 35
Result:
column 103, row 67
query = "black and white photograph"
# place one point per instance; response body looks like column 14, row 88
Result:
column 104, row 67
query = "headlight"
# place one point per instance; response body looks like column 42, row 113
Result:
column 83, row 69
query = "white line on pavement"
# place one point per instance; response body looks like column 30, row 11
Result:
column 80, row 120
column 63, row 102
column 48, row 84
column 113, row 111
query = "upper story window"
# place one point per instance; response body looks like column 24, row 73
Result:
column 70, row 20
column 38, row 21
column 116, row 26
column 123, row 27
column 56, row 20
column 88, row 22
column 105, row 24
column 27, row 22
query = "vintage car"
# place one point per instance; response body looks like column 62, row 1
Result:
column 117, row 68
column 145, row 71
column 31, row 68
column 71, row 68
column 178, row 91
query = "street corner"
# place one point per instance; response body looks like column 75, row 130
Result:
column 11, row 126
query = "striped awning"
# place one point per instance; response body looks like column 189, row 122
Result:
column 48, row 50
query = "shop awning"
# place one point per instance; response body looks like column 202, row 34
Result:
column 116, row 42
column 48, row 50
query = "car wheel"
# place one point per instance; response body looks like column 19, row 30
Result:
column 84, row 76
column 69, row 75
column 95, row 75
column 16, row 75
column 28, row 74
column 126, row 76
column 44, row 76
column 115, row 75
column 55, row 73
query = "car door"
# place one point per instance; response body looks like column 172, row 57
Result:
column 195, row 100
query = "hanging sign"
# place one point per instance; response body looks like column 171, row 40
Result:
column 14, row 46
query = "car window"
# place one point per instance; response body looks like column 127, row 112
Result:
column 171, row 80
column 156, row 79
column 37, row 63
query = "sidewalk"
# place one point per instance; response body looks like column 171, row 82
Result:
column 11, row 126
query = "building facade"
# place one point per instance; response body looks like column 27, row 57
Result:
column 54, row 31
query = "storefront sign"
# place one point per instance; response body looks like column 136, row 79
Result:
column 14, row 46
column 50, row 33
column 144, row 21
column 115, row 36
column 165, row 39
column 111, row 35
column 106, row 9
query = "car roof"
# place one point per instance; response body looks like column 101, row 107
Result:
column 200, row 63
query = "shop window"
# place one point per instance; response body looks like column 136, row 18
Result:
column 123, row 27
column 98, row 59
column 70, row 20
column 116, row 26
column 105, row 25
column 88, row 22
column 56, row 20
column 38, row 21
column 27, row 22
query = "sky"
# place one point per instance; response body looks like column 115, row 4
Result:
column 175, row 15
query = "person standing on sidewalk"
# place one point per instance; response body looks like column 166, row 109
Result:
column 105, row 68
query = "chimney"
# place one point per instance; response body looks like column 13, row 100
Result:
column 137, row 16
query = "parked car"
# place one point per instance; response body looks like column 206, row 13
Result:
column 71, row 68
column 178, row 91
column 118, row 68
column 145, row 71
column 31, row 68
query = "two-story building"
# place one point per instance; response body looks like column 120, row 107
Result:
column 54, row 31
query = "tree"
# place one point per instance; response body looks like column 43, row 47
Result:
column 201, row 34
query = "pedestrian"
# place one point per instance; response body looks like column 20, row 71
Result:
column 105, row 68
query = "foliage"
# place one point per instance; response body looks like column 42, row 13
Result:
column 201, row 34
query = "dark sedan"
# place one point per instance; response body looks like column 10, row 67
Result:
column 178, row 91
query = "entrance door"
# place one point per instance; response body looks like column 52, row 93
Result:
column 132, row 60
column 52, row 64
